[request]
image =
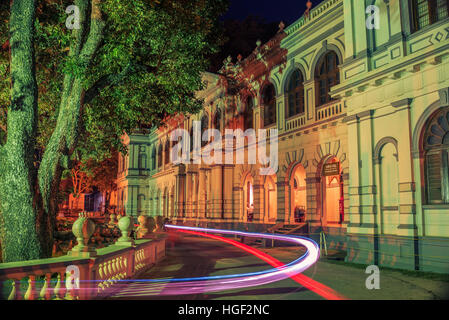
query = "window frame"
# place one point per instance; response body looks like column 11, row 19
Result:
column 270, row 106
column 443, row 152
column 292, row 91
column 320, row 77
column 167, row 148
column 432, row 12
column 160, row 160
column 435, row 144
column 248, row 115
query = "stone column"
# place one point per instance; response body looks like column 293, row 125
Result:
column 407, row 205
column 189, row 192
column 180, row 192
column 309, row 97
column 216, row 192
column 346, row 196
column 228, row 192
column 368, row 189
column 355, row 219
column 259, row 204
column 202, row 193
column 237, row 203
column 313, row 214
column 282, row 200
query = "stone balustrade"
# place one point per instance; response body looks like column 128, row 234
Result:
column 79, row 276
column 296, row 122
column 330, row 110
column 314, row 15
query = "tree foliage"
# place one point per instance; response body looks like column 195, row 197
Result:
column 132, row 63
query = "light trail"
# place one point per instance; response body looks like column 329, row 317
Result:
column 232, row 282
column 303, row 280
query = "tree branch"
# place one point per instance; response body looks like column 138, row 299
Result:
column 112, row 80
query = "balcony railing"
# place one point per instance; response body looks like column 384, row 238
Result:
column 314, row 14
column 46, row 279
column 330, row 110
column 295, row 123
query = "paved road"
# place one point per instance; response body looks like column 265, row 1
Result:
column 191, row 256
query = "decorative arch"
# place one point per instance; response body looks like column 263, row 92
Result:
column 418, row 132
column 434, row 149
column 325, row 49
column 245, row 171
column 265, row 84
column 378, row 149
column 293, row 67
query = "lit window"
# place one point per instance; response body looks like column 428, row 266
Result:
column 436, row 149
column 327, row 76
column 427, row 12
column 295, row 94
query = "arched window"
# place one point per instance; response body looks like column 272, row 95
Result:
column 295, row 93
column 427, row 12
column 153, row 158
column 142, row 163
column 436, row 150
column 327, row 75
column 269, row 102
column 167, row 152
column 248, row 114
column 204, row 128
column 217, row 120
column 159, row 156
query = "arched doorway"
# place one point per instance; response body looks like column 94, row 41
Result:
column 298, row 195
column 332, row 192
column 248, row 199
column 389, row 191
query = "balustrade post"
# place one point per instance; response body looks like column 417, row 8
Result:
column 83, row 229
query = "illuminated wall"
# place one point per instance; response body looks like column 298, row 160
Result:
column 338, row 92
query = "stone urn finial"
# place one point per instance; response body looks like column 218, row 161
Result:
column 112, row 218
column 83, row 229
column 125, row 225
column 142, row 229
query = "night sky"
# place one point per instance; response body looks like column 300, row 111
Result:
column 272, row 10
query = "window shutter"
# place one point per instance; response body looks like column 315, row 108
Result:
column 434, row 177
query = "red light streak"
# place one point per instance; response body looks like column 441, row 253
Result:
column 319, row 288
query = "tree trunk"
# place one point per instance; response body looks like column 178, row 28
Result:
column 64, row 139
column 18, row 197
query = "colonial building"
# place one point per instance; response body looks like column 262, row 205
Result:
column 359, row 97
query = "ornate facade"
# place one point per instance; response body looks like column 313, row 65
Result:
column 363, row 131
